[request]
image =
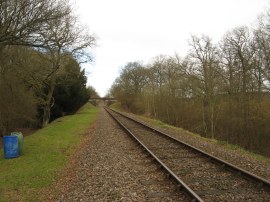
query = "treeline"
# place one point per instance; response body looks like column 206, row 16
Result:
column 219, row 90
column 42, row 44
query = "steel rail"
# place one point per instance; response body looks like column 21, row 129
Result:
column 182, row 184
column 224, row 163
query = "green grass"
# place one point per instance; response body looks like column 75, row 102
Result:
column 243, row 151
column 46, row 153
column 116, row 105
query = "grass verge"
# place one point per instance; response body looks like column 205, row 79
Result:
column 116, row 105
column 46, row 153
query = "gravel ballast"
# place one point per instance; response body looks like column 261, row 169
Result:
column 209, row 180
column 243, row 159
column 110, row 166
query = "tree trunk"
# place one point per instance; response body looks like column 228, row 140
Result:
column 212, row 121
column 204, row 117
column 48, row 103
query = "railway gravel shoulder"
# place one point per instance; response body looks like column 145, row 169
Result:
column 211, row 181
column 109, row 166
column 260, row 167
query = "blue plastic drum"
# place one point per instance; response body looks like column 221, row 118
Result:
column 11, row 148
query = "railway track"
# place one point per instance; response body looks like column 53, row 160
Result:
column 202, row 176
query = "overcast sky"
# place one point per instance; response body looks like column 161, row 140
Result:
column 138, row 30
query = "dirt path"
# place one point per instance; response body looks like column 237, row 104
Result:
column 110, row 167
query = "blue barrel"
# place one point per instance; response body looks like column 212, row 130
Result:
column 11, row 149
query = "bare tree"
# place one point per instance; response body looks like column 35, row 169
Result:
column 239, row 43
column 262, row 46
column 206, row 67
column 221, row 91
column 64, row 37
column 22, row 21
column 54, row 32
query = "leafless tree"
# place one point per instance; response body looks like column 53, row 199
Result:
column 64, row 37
column 22, row 21
column 206, row 67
